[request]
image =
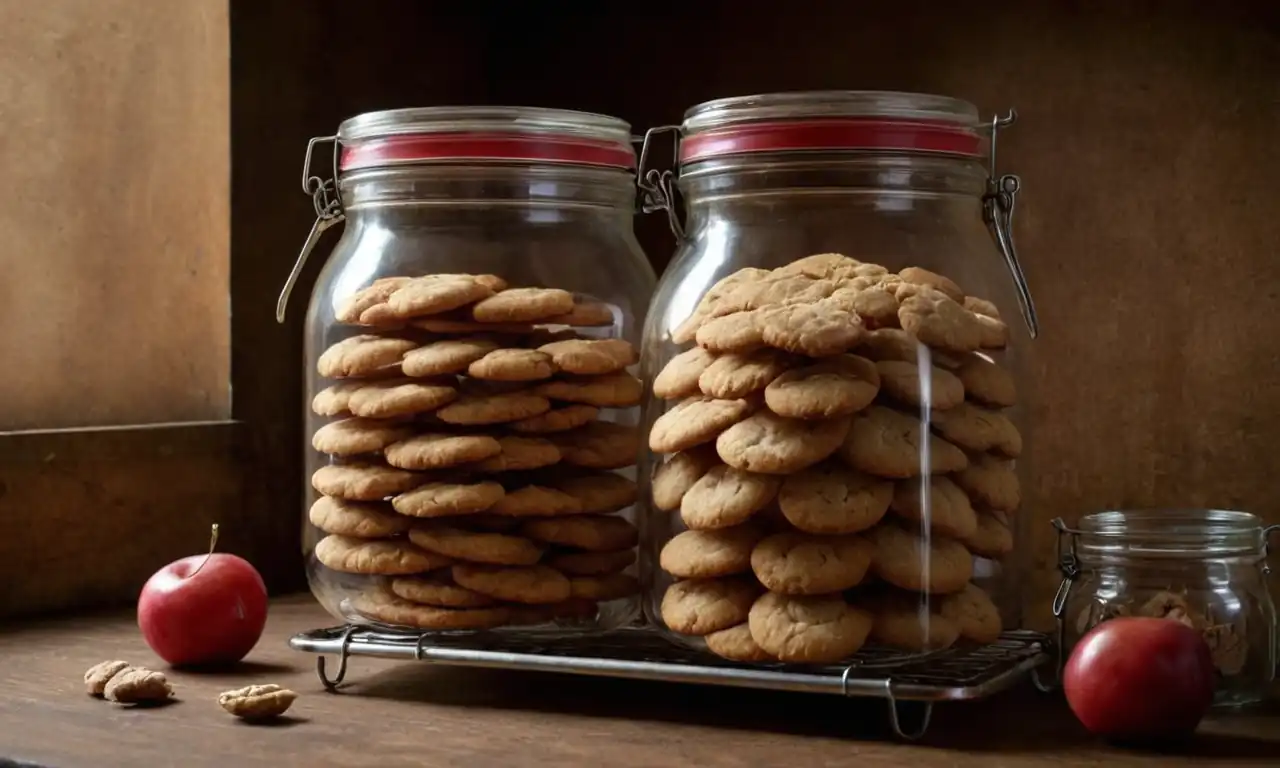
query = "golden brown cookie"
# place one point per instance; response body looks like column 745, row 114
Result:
column 523, row 305
column 536, row 501
column 399, row 397
column 686, row 331
column 737, row 375
column 808, row 630
column 887, row 443
column 991, row 482
column 768, row 443
column 612, row 390
column 585, row 313
column 819, row 265
column 986, row 383
column 333, row 400
column 909, row 562
column 674, row 477
column 726, row 496
column 463, row 324
column 599, row 492
column 433, row 294
column 774, row 290
column 930, row 387
column 350, row 437
column 599, row 445
column 944, row 507
column 738, row 332
column 830, row 388
column 946, row 285
column 558, row 419
column 520, row 453
column 362, row 355
column 990, row 537
column 816, row 330
column 447, row 356
column 703, row 606
column 385, row 557
column 439, row 451
column 475, row 546
column 679, row 377
column 359, row 520
column 446, row 499
column 363, row 482
column 707, row 554
column 590, row 357
column 695, row 421
column 833, row 499
column 594, row 533
column 994, row 332
column 602, row 588
column 513, row 365
column 438, row 590
column 573, row 563
column 975, row 428
column 478, row 409
column 910, row 622
column 386, row 608
column 938, row 321
column 377, row 292
column 534, row 584
column 796, row 563
column 736, row 644
column 977, row 618
column 875, row 304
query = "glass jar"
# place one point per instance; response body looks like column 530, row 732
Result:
column 826, row 235
column 471, row 406
column 1205, row 568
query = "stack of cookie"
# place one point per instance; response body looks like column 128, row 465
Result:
column 837, row 456
column 472, row 449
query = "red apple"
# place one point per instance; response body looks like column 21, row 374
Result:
column 203, row 609
column 1140, row 679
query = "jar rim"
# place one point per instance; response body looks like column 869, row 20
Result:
column 1171, row 532
column 903, row 105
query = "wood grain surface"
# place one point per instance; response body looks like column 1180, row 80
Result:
column 406, row 714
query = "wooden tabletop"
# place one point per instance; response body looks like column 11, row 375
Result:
column 394, row 714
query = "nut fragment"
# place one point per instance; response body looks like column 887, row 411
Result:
column 138, row 685
column 97, row 676
column 257, row 702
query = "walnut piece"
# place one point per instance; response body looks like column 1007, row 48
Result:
column 137, row 685
column 1166, row 605
column 97, row 676
column 1228, row 649
column 257, row 702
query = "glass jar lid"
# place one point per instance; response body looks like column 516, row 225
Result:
column 831, row 121
column 1170, row 533
column 484, row 134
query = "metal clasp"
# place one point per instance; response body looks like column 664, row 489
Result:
column 657, row 187
column 327, row 202
column 1069, row 565
column 997, row 211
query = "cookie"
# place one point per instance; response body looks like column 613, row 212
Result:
column 456, row 323
column 433, row 294
column 476, row 547
column 599, row 445
column 359, row 520
column 592, row 563
column 363, row 482
column 350, row 437
column 887, row 443
column 910, row 623
column 795, row 563
column 938, row 321
column 768, row 443
column 774, row 290
column 439, row 450
column 734, row 376
column 896, row 344
column 439, row 591
column 736, row 644
column 377, row 292
column 994, row 332
column 362, row 355
column 602, row 588
column 679, row 377
column 695, row 421
column 686, row 331
column 986, row 383
column 523, row 305
column 945, row 509
column 333, row 400
column 909, row 562
column 594, row 533
column 674, row 477
column 707, row 554
column 536, row 501
column 816, row 330
column 808, row 630
column 831, row 388
column 612, row 390
column 990, row 538
column 703, row 606
column 590, row 357
column 930, row 387
column 520, row 453
column 876, row 305
column 384, row 557
column 493, row 409
column 920, row 276
column 991, row 482
column 513, row 365
column 834, row 499
column 977, row 619
column 726, row 496
column 739, row 332
column 979, row 429
column 399, row 397
column 819, row 265
column 448, row 356
column 534, row 584
column 599, row 492
column 585, row 313
column 558, row 419
column 386, row 608
column 446, row 499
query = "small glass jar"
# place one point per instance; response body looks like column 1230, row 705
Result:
column 1205, row 568
column 836, row 326
column 471, row 408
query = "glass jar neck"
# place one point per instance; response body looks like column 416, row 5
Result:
column 497, row 185
column 1170, row 536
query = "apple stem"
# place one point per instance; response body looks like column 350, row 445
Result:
column 213, row 543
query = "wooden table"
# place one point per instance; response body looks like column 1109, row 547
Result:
column 395, row 714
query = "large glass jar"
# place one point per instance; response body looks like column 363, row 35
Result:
column 1205, row 568
column 471, row 406
column 836, row 326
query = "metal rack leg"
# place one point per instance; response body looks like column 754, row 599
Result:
column 331, row 685
column 896, row 718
